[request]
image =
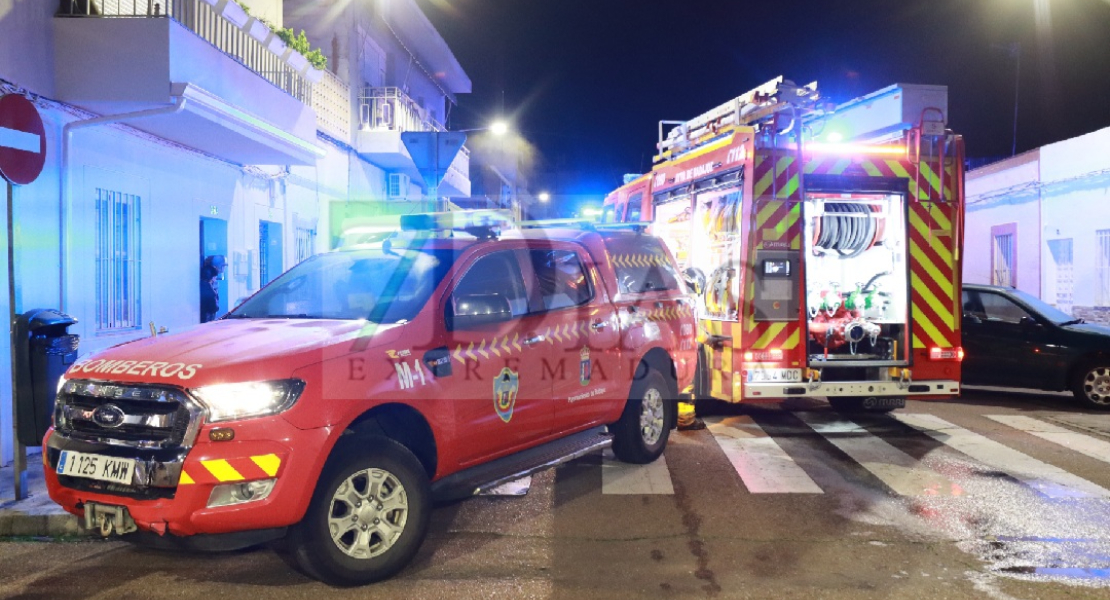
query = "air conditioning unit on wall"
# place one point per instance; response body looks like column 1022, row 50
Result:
column 398, row 185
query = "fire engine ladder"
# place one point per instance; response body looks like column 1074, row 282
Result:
column 758, row 105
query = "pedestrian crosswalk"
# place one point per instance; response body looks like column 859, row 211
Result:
column 763, row 466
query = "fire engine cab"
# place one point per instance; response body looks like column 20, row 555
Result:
column 823, row 241
column 331, row 408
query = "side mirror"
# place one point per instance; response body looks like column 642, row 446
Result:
column 476, row 310
column 1028, row 322
column 695, row 279
column 972, row 319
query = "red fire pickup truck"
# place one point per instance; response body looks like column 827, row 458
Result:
column 331, row 409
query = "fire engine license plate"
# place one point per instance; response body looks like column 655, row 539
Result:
column 774, row 375
column 96, row 466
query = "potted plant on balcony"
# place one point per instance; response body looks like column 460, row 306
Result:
column 236, row 14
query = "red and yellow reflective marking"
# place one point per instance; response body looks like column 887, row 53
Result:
column 223, row 470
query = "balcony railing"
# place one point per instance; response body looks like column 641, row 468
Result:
column 201, row 19
column 390, row 109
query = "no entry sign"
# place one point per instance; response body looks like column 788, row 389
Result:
column 22, row 140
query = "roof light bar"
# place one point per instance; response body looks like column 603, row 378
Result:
column 458, row 220
column 841, row 149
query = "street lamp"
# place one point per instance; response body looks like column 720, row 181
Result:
column 544, row 197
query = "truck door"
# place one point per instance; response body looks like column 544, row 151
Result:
column 503, row 402
column 582, row 331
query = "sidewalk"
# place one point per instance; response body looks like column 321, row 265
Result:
column 35, row 515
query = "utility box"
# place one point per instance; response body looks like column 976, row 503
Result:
column 43, row 351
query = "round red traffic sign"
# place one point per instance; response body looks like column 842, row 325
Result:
column 22, row 140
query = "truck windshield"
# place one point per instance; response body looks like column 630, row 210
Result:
column 382, row 286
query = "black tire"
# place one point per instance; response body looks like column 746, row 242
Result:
column 1091, row 385
column 363, row 464
column 639, row 437
column 857, row 404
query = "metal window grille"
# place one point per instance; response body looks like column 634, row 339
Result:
column 263, row 254
column 1003, row 271
column 306, row 243
column 1102, row 266
column 1061, row 251
column 118, row 273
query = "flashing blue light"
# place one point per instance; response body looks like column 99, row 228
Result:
column 458, row 220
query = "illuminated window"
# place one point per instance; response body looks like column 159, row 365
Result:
column 118, row 281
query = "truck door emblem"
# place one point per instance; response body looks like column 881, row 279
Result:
column 585, row 367
column 505, row 388
column 108, row 415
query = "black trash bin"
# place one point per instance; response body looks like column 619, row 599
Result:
column 44, row 350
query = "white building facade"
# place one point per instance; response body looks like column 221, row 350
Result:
column 179, row 129
column 1040, row 221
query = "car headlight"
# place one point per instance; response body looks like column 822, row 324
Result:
column 232, row 401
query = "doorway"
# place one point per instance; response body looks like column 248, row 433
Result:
column 213, row 242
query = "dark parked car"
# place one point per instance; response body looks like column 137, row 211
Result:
column 1013, row 339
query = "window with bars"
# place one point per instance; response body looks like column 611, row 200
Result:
column 118, row 279
column 306, row 243
column 1061, row 251
column 1102, row 267
column 1002, row 272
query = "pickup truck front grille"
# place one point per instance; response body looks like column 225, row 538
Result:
column 135, row 415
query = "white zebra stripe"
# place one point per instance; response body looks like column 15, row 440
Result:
column 761, row 463
column 1083, row 444
column 1050, row 480
column 621, row 478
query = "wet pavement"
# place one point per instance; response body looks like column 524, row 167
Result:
column 1000, row 495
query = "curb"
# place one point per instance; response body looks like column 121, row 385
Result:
column 17, row 523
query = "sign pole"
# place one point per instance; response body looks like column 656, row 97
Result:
column 19, row 464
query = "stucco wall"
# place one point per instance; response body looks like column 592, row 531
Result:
column 997, row 195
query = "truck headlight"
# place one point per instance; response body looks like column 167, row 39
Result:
column 232, row 401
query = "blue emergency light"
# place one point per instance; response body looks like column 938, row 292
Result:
column 463, row 220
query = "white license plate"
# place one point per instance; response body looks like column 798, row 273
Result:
column 96, row 466
column 774, row 375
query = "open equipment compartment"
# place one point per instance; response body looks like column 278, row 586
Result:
column 856, row 279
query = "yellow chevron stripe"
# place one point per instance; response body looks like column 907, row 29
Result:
column 769, row 335
column 792, row 340
column 917, row 343
column 459, row 354
column 516, row 339
column 482, row 349
column 930, row 176
column 222, row 470
column 470, row 352
column 783, row 164
column 493, row 348
column 790, row 187
column 185, row 479
column 765, row 213
column 760, row 187
column 270, row 463
column 922, row 324
column 931, row 299
column 922, row 229
column 896, row 167
column 944, row 284
column 839, row 166
column 937, row 213
column 505, row 346
column 870, row 168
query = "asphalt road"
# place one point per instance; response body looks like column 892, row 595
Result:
column 999, row 495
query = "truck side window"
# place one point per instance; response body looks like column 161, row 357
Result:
column 496, row 273
column 642, row 266
column 561, row 278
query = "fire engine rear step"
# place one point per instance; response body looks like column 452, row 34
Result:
column 489, row 475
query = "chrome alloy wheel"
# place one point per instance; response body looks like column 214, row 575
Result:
column 651, row 416
column 1096, row 385
column 368, row 513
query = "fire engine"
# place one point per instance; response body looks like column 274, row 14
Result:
column 824, row 242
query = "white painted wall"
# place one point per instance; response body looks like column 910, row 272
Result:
column 993, row 200
column 27, row 43
column 1076, row 204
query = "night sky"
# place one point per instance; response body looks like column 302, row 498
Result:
column 586, row 81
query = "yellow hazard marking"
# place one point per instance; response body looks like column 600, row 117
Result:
column 760, row 188
column 790, row 187
column 870, row 168
column 917, row 343
column 938, row 307
column 943, row 283
column 792, row 340
column 937, row 213
column 772, row 332
column 923, row 324
column 493, row 348
column 222, row 470
column 459, row 354
column 185, row 479
column 505, row 345
column 269, row 463
column 942, row 251
column 930, row 176
column 726, row 359
column 516, row 339
column 840, row 166
column 765, row 212
column 896, row 167
column 482, row 349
